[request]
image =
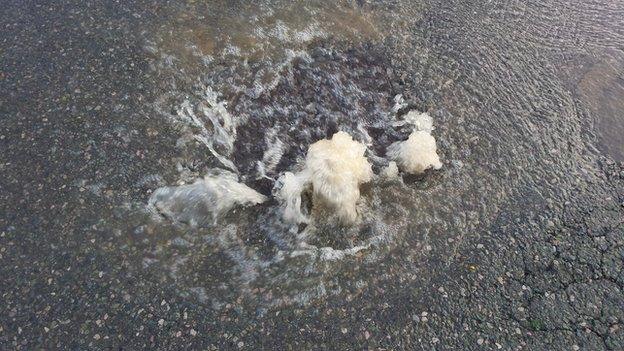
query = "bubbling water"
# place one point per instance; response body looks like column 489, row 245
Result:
column 310, row 125
column 205, row 199
column 419, row 152
column 334, row 169
column 416, row 154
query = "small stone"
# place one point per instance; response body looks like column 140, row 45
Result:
column 240, row 344
column 480, row 341
column 96, row 336
column 193, row 332
column 575, row 347
column 161, row 322
column 343, row 330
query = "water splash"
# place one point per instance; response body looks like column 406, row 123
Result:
column 334, row 170
column 205, row 199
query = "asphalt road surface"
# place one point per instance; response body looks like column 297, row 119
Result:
column 517, row 243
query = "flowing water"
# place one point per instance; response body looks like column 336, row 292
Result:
column 247, row 88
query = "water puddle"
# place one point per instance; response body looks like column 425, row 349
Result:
column 602, row 89
column 248, row 88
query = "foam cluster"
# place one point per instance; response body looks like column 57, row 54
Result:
column 419, row 152
column 334, row 171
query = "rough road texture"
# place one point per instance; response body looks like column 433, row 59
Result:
column 546, row 273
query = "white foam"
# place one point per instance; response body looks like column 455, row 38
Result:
column 291, row 186
column 416, row 154
column 208, row 197
column 391, row 171
column 334, row 169
column 419, row 152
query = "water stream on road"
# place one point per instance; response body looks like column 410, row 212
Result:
column 250, row 87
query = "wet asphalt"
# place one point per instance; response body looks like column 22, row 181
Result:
column 74, row 81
